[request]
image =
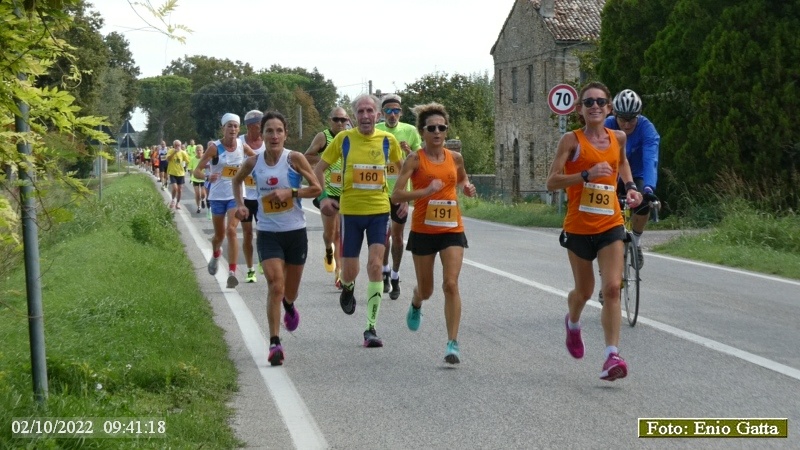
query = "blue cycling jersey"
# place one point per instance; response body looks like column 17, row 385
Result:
column 641, row 149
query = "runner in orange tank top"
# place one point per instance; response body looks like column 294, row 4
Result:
column 436, row 226
column 587, row 164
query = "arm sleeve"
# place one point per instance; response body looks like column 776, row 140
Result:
column 650, row 148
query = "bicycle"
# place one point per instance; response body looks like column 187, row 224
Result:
column 629, row 295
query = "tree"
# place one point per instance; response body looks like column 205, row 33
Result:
column 120, row 59
column 205, row 70
column 166, row 101
column 322, row 91
column 210, row 102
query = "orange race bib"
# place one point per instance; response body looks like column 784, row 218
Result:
column 391, row 172
column 275, row 206
column 598, row 199
column 369, row 177
column 228, row 172
column 336, row 179
column 250, row 181
column 442, row 213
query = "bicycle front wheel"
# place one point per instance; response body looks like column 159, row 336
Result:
column 630, row 284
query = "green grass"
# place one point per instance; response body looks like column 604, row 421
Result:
column 520, row 214
column 127, row 331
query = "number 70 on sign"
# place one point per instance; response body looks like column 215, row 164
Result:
column 562, row 99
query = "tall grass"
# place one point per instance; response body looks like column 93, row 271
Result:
column 127, row 331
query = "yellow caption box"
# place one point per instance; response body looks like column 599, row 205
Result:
column 713, row 428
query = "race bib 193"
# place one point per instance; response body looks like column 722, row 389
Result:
column 598, row 199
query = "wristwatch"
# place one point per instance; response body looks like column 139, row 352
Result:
column 585, row 175
column 294, row 192
column 631, row 185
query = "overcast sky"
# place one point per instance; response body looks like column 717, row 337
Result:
column 392, row 43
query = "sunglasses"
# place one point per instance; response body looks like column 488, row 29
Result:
column 588, row 102
column 392, row 111
column 434, row 128
column 339, row 119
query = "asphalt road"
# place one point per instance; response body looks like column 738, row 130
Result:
column 711, row 343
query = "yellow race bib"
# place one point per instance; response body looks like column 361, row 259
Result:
column 442, row 213
column 228, row 172
column 598, row 199
column 367, row 176
column 336, row 179
column 274, row 206
column 250, row 182
column 391, row 172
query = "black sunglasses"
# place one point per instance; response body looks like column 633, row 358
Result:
column 433, row 128
column 588, row 102
column 339, row 119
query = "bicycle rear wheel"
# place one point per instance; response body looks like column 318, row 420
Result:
column 630, row 284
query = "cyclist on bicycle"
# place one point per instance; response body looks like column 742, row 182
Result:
column 642, row 152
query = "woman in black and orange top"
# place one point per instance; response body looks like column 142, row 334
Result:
column 436, row 227
column 587, row 164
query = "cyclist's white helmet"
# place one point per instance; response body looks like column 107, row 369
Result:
column 627, row 103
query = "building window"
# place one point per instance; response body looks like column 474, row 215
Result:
column 513, row 85
column 502, row 154
column 531, row 161
column 530, row 83
column 500, row 84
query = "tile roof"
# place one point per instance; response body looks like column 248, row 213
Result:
column 574, row 20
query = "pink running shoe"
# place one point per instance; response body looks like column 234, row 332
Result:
column 275, row 357
column 291, row 321
column 574, row 341
column 614, row 368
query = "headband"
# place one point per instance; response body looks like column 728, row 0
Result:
column 228, row 117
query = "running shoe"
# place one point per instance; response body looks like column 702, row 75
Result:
column 640, row 257
column 251, row 276
column 347, row 300
column 177, row 206
column 232, row 281
column 203, row 204
column 371, row 339
column 275, row 357
column 452, row 355
column 213, row 263
column 328, row 261
column 386, row 279
column 395, row 293
column 574, row 341
column 338, row 283
column 413, row 317
column 172, row 204
column 614, row 368
column 198, row 210
column 291, row 319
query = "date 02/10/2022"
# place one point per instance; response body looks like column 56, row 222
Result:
column 89, row 427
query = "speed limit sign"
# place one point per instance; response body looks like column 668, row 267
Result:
column 562, row 99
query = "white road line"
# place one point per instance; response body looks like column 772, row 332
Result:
column 302, row 427
column 691, row 337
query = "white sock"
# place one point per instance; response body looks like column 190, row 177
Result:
column 387, row 268
column 573, row 325
column 611, row 349
column 395, row 275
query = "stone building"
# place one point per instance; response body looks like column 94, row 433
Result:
column 537, row 48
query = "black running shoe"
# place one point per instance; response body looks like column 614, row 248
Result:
column 395, row 289
column 371, row 339
column 347, row 300
column 386, row 279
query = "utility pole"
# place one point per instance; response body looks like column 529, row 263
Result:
column 370, row 87
column 30, row 238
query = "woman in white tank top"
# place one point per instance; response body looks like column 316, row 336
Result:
column 282, row 242
column 225, row 156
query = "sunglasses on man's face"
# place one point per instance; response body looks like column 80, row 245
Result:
column 588, row 102
column 339, row 119
column 434, row 128
column 388, row 111
column 626, row 119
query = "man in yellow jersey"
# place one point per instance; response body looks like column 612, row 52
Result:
column 409, row 140
column 175, row 171
column 197, row 183
column 364, row 203
column 332, row 188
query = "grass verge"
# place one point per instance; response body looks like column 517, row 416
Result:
column 127, row 331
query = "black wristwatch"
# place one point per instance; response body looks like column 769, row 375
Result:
column 585, row 175
column 631, row 185
column 294, row 193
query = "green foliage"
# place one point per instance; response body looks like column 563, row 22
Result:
column 118, row 347
column 322, row 91
column 525, row 214
column 166, row 99
column 477, row 146
column 213, row 100
column 204, row 70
